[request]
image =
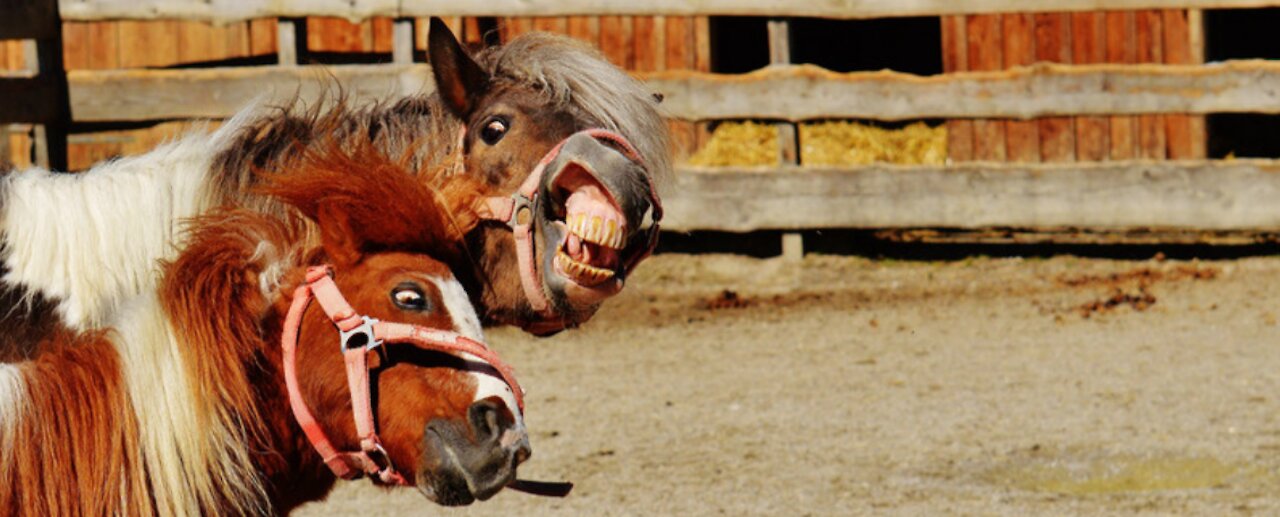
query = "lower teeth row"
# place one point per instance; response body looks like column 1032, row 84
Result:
column 580, row 270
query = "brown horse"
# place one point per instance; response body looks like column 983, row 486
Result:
column 572, row 214
column 183, row 407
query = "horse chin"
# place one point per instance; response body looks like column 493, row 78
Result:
column 457, row 472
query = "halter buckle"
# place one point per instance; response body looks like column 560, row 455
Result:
column 521, row 204
column 360, row 336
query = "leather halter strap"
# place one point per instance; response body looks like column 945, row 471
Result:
column 517, row 212
column 361, row 337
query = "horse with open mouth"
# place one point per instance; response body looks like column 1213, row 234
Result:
column 228, row 391
column 571, row 146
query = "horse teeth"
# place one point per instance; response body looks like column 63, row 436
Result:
column 603, row 231
column 582, row 273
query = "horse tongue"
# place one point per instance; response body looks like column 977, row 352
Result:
column 573, row 246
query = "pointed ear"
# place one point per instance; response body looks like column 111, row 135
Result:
column 339, row 241
column 458, row 78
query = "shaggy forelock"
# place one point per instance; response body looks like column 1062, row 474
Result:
column 576, row 75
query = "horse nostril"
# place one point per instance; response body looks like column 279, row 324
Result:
column 486, row 420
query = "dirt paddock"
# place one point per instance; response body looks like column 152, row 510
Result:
column 723, row 385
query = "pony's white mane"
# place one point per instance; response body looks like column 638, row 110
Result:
column 194, row 462
column 575, row 74
column 91, row 241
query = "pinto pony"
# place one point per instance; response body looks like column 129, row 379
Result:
column 570, row 146
column 183, row 407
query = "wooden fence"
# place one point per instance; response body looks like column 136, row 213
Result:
column 1122, row 193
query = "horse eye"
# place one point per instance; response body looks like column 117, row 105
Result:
column 409, row 296
column 493, row 131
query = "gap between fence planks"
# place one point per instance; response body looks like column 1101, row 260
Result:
column 1187, row 195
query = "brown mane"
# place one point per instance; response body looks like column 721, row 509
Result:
column 369, row 196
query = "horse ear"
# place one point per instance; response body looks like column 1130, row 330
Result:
column 458, row 78
column 339, row 241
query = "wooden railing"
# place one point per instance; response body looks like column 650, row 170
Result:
column 224, row 10
column 1198, row 195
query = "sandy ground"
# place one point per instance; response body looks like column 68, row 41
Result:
column 722, row 385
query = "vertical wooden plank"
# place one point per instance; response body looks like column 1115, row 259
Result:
column 6, row 153
column 262, row 37
column 1195, row 52
column 615, row 40
column 236, row 41
column 702, row 62
column 327, row 34
column 1149, row 43
column 195, row 42
column 1022, row 137
column 680, row 56
column 582, row 28
column 986, row 52
column 1053, row 44
column 148, row 43
column 75, row 45
column 1088, row 45
column 585, row 28
column 556, row 24
column 1177, row 51
column 420, row 27
column 471, row 34
column 382, row 38
column 955, row 58
column 512, row 28
column 659, row 44
column 643, row 44
column 702, row 43
column 679, row 43
column 1122, row 48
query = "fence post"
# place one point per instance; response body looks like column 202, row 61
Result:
column 788, row 149
column 287, row 40
column 39, row 23
column 402, row 41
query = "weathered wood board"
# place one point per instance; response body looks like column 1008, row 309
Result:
column 1197, row 195
column 225, row 10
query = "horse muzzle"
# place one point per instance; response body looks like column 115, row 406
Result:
column 473, row 460
column 598, row 195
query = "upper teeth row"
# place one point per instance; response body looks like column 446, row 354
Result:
column 596, row 230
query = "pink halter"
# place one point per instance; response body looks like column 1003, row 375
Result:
column 516, row 212
column 362, row 336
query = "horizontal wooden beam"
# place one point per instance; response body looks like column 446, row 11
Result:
column 807, row 92
column 229, row 10
column 116, row 95
column 1237, row 195
column 793, row 93
column 27, row 100
column 28, row 19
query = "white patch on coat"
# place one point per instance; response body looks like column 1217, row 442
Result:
column 13, row 407
column 467, row 323
column 193, row 460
